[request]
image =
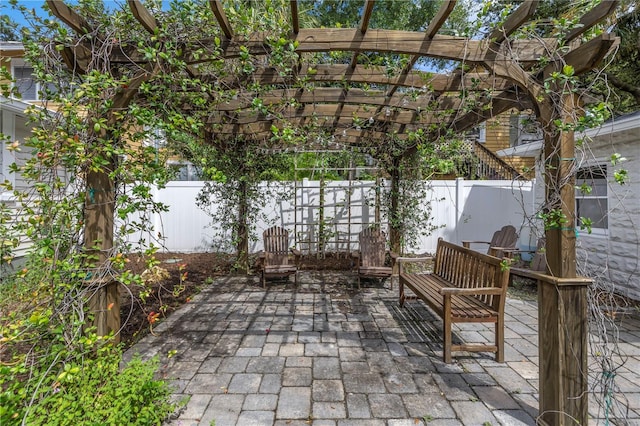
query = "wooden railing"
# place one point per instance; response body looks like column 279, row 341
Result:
column 490, row 166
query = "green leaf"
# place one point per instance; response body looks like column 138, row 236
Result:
column 568, row 70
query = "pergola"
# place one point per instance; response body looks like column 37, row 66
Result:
column 355, row 104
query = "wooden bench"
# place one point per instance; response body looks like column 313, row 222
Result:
column 465, row 286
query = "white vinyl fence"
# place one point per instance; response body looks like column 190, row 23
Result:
column 462, row 210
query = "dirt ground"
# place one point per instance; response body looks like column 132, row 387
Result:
column 167, row 292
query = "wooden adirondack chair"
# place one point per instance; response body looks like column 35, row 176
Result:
column 503, row 239
column 370, row 260
column 538, row 263
column 274, row 260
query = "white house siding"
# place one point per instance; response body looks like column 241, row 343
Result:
column 615, row 256
column 15, row 128
column 611, row 257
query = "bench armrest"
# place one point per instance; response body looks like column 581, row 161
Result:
column 295, row 252
column 400, row 260
column 413, row 259
column 470, row 291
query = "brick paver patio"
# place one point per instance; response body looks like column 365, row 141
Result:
column 325, row 353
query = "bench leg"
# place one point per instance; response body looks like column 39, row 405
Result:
column 401, row 293
column 446, row 350
column 264, row 281
column 500, row 338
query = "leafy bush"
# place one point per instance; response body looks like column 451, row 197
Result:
column 88, row 391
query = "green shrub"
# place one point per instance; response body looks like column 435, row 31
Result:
column 94, row 391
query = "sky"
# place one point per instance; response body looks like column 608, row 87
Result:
column 16, row 16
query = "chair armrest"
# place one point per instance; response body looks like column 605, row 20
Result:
column 394, row 255
column 262, row 255
column 517, row 250
column 470, row 291
column 466, row 243
column 295, row 252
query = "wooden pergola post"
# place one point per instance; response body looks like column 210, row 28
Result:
column 242, row 245
column 395, row 227
column 99, row 210
column 562, row 303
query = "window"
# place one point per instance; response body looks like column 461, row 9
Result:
column 27, row 84
column 524, row 129
column 592, row 203
column 155, row 138
column 479, row 133
column 185, row 172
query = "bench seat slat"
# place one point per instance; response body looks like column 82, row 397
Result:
column 427, row 287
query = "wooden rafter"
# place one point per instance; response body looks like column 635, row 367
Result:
column 591, row 18
column 384, row 41
column 221, row 17
column 507, row 100
column 69, row 17
column 149, row 22
column 514, row 21
column 356, row 113
column 295, row 19
column 143, row 16
column 367, row 10
column 588, row 55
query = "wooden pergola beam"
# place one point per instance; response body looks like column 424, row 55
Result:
column 149, row 22
column 142, row 15
column 221, row 17
column 314, row 40
column 507, row 100
column 262, row 130
column 588, row 55
column 324, row 95
column 438, row 21
column 360, row 115
column 592, row 17
column 373, row 75
column 67, row 15
column 515, row 20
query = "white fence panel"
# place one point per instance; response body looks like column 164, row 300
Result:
column 462, row 210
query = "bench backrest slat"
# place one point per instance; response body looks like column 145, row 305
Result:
column 467, row 268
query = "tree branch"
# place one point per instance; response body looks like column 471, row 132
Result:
column 624, row 86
